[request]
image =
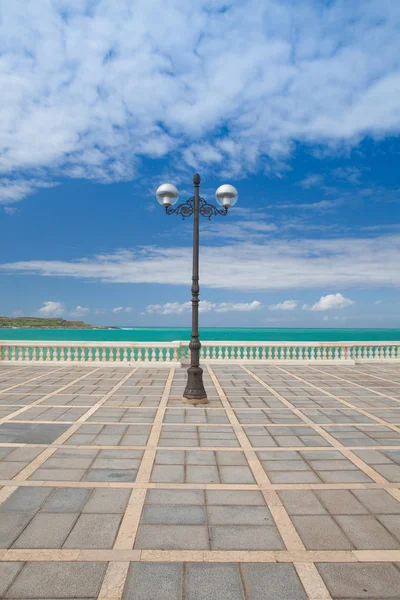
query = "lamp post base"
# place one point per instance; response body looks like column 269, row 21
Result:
column 194, row 401
column 194, row 392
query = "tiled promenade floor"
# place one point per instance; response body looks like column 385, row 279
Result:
column 285, row 487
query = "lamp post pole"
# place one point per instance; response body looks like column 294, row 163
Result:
column 226, row 196
column 194, row 392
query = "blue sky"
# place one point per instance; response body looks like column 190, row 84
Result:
column 296, row 104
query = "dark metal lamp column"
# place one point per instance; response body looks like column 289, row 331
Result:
column 167, row 196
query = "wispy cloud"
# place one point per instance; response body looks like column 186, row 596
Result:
column 282, row 263
column 79, row 311
column 122, row 309
column 87, row 91
column 311, row 181
column 14, row 190
column 286, row 305
column 177, row 308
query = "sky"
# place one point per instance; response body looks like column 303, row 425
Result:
column 296, row 104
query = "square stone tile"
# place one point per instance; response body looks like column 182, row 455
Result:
column 94, row 531
column 245, row 537
column 272, row 582
column 107, row 501
column 66, row 500
column 218, row 581
column 367, row 533
column 361, row 580
column 154, row 581
column 340, row 502
column 321, row 532
column 46, row 530
column 172, row 537
column 58, row 580
column 154, row 514
column 27, row 499
column 8, row 572
column 182, row 497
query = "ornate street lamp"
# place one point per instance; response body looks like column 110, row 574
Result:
column 167, row 196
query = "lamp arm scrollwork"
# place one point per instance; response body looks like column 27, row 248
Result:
column 186, row 209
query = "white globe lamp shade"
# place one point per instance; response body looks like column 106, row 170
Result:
column 167, row 194
column 226, row 195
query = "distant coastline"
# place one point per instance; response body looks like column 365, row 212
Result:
column 43, row 323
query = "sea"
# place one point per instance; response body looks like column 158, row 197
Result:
column 165, row 334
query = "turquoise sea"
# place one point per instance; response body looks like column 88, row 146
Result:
column 164, row 334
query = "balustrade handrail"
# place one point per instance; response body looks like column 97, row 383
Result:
column 175, row 352
column 178, row 343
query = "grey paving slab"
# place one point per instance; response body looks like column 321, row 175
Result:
column 378, row 501
column 66, row 500
column 235, row 497
column 367, row 533
column 26, row 499
column 172, row 537
column 321, row 532
column 194, row 497
column 46, row 530
column 272, row 582
column 58, row 580
column 245, row 537
column 341, row 502
column 8, row 572
column 154, row 581
column 239, row 515
column 213, row 580
column 107, row 501
column 174, row 515
column 94, row 531
column 11, row 526
column 361, row 580
column 301, row 502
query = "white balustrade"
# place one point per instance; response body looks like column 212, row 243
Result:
column 153, row 354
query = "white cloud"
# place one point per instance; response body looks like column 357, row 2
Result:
column 320, row 206
column 286, row 305
column 332, row 302
column 52, row 309
column 178, row 308
column 14, row 190
column 90, row 87
column 11, row 210
column 79, row 311
column 125, row 309
column 282, row 263
column 311, row 181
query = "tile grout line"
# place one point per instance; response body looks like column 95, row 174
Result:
column 350, row 405
column 277, row 425
column 114, row 556
column 13, row 370
column 117, row 572
column 201, row 486
column 374, row 376
column 25, row 382
column 313, row 582
column 50, row 450
column 345, row 451
column 369, row 471
column 127, row 531
column 43, row 398
column 198, row 448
